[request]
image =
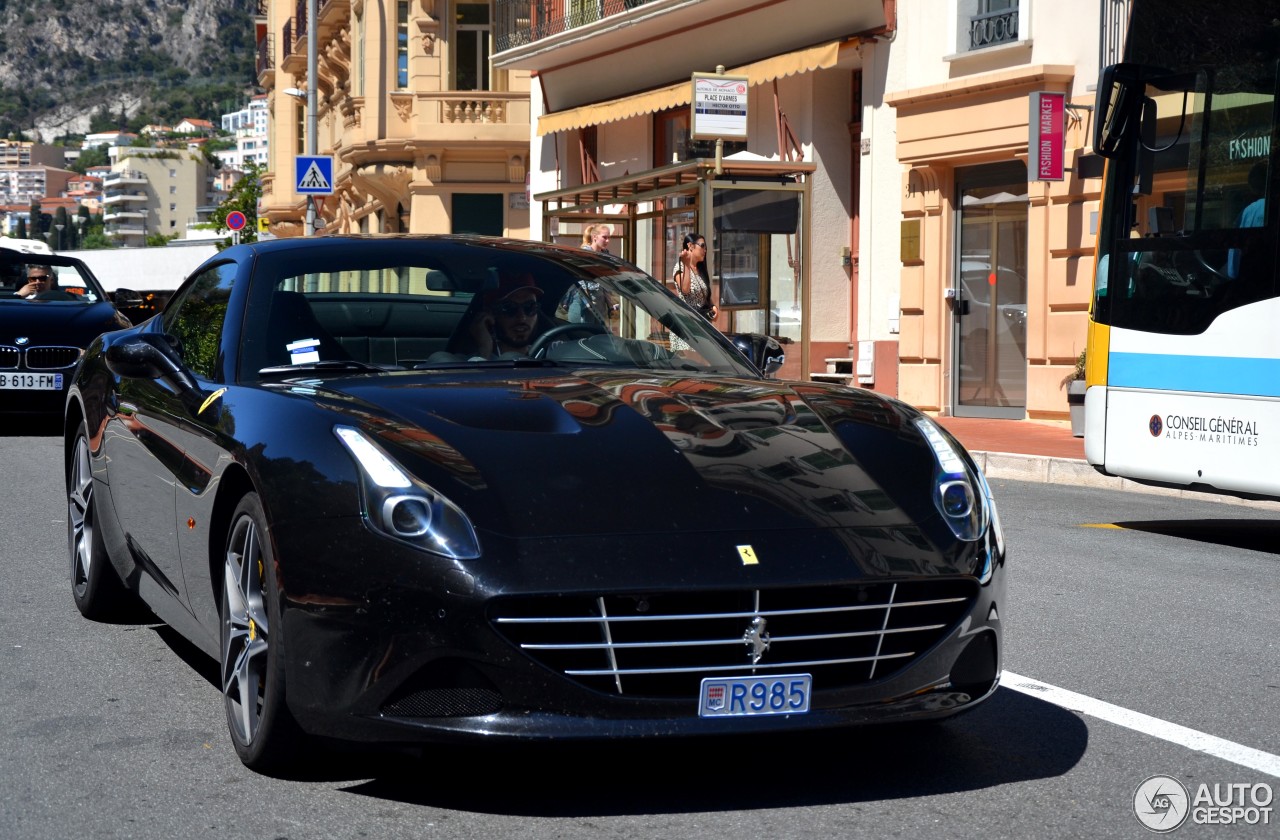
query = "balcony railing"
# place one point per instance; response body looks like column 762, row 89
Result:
column 300, row 14
column 286, row 39
column 124, row 176
column 480, row 106
column 520, row 22
column 116, row 216
column 120, row 197
column 266, row 54
column 991, row 28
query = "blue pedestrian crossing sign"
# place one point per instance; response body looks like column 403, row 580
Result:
column 313, row 174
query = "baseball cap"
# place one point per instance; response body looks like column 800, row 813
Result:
column 508, row 284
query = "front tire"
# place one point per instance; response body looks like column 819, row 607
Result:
column 263, row 732
column 99, row 593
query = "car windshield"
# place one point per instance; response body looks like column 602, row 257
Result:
column 446, row 304
column 68, row 281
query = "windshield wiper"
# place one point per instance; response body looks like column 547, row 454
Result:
column 327, row 366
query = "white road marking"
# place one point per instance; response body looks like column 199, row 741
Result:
column 1263, row 762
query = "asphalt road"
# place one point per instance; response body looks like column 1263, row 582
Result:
column 117, row 731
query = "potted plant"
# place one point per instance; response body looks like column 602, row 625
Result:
column 1075, row 396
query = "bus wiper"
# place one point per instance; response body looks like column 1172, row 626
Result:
column 326, row 366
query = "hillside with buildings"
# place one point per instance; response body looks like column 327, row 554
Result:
column 64, row 63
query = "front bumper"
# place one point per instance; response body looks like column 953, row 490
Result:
column 416, row 655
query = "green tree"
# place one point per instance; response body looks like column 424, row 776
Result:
column 243, row 197
column 62, row 227
column 39, row 222
column 97, row 241
column 93, row 156
column 21, row 231
column 159, row 240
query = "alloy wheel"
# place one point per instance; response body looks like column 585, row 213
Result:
column 245, row 635
column 80, row 516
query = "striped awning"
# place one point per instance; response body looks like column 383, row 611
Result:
column 779, row 66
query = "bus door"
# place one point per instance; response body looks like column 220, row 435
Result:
column 989, row 371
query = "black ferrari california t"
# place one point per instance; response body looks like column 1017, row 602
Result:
column 407, row 489
column 45, row 327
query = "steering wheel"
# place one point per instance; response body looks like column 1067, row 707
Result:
column 1218, row 273
column 1198, row 271
column 539, row 347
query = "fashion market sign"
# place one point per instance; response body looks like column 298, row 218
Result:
column 1046, row 143
column 719, row 107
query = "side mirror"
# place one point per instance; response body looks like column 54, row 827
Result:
column 126, row 297
column 150, row 356
column 764, row 352
column 1116, row 108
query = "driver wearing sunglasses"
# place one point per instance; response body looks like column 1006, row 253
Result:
column 39, row 279
column 509, row 322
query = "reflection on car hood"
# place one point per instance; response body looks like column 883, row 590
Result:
column 56, row 322
column 590, row 452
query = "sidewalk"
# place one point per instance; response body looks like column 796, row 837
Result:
column 1046, row 451
column 1045, row 439
column 1029, row 450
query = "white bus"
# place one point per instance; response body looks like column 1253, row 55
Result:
column 1183, row 358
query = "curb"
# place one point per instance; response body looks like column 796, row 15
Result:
column 1078, row 473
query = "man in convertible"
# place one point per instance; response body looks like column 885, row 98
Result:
column 510, row 320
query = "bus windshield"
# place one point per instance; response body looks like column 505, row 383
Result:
column 1192, row 190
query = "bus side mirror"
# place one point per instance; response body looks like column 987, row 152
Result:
column 1115, row 109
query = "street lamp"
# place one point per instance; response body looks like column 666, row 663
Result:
column 312, row 84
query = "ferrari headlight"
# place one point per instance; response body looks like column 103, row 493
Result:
column 403, row 508
column 960, row 492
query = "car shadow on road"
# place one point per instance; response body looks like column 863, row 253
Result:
column 1249, row 534
column 1010, row 738
column 30, row 426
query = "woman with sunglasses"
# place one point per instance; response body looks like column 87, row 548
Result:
column 690, row 277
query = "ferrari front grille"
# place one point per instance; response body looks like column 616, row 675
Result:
column 664, row 644
column 52, row 358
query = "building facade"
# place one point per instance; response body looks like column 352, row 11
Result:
column 21, row 153
column 154, row 191
column 20, row 184
column 995, row 264
column 869, row 202
column 619, row 138
column 923, row 261
column 426, row 136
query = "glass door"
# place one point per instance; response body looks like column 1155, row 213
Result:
column 990, row 302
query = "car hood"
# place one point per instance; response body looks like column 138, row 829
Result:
column 610, row 452
column 57, row 322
